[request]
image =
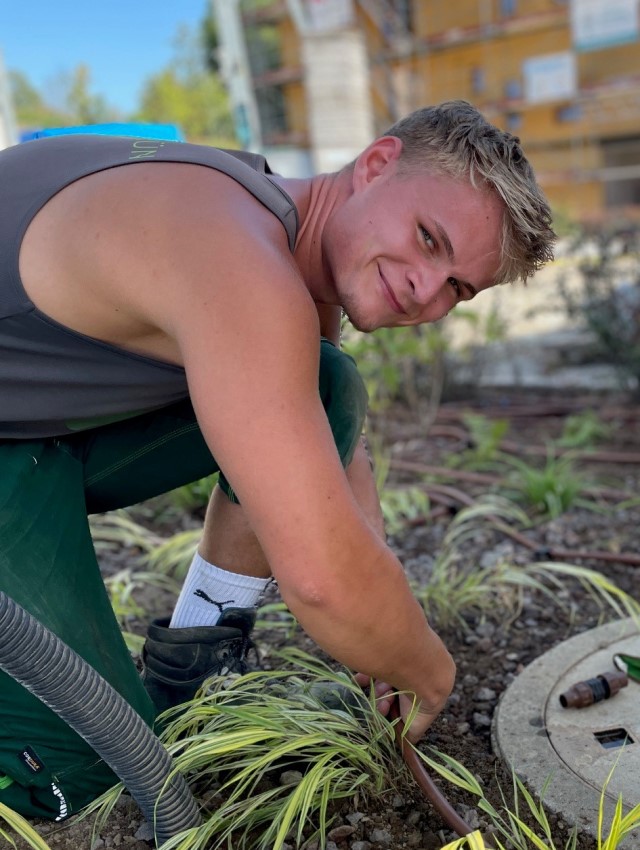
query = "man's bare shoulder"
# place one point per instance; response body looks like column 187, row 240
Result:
column 152, row 245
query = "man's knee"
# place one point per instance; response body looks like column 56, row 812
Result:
column 344, row 397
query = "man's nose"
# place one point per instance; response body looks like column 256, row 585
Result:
column 425, row 284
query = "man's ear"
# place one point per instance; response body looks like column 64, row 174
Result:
column 377, row 160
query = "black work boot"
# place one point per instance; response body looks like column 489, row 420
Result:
column 177, row 661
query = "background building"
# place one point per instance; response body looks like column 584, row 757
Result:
column 564, row 75
column 8, row 133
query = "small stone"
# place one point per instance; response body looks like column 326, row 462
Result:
column 413, row 818
column 398, row 801
column 360, row 845
column 485, row 695
column 330, row 845
column 98, row 844
column 290, row 777
column 481, row 720
column 484, row 644
column 144, row 832
column 339, row 833
column 355, row 817
column 470, row 680
column 462, row 728
column 414, row 839
column 380, row 836
column 470, row 816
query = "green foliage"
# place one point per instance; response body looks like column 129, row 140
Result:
column 30, row 108
column 489, row 327
column 457, row 587
column 188, row 94
column 21, row 828
column 118, row 529
column 173, row 556
column 169, row 556
column 582, row 430
column 525, row 825
column 210, row 40
column 276, row 615
column 194, row 496
column 237, row 737
column 85, row 106
column 389, row 361
column 75, row 102
column 486, row 436
column 401, row 505
column 606, row 262
column 123, row 588
column 550, row 490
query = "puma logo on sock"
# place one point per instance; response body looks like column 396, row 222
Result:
column 211, row 601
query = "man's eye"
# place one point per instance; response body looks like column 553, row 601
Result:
column 426, row 236
column 456, row 286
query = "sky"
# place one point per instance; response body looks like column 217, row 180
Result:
column 122, row 41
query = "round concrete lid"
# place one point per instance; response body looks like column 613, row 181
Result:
column 578, row 750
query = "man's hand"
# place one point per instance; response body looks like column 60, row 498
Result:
column 386, row 695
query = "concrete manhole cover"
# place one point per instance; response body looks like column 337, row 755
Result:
column 577, row 748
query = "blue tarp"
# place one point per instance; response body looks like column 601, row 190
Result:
column 168, row 132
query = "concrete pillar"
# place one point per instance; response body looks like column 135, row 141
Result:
column 338, row 96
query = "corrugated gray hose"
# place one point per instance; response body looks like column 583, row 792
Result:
column 53, row 672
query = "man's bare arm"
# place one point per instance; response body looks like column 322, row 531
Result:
column 230, row 297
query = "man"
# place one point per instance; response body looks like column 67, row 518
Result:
column 162, row 309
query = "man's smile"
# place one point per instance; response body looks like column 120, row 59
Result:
column 389, row 294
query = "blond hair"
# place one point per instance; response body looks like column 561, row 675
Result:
column 455, row 140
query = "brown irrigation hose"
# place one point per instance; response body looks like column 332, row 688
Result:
column 425, row 782
column 452, row 412
column 445, row 495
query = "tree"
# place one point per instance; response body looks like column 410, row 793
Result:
column 87, row 108
column 31, row 110
column 75, row 104
column 188, row 94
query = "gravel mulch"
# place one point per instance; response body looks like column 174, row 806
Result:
column 493, row 649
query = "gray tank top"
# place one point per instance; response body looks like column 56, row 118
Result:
column 53, row 380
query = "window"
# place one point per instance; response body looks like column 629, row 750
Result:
column 566, row 114
column 513, row 89
column 478, row 80
column 513, row 121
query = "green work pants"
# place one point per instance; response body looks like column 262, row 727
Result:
column 48, row 565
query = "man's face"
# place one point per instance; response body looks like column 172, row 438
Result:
column 405, row 249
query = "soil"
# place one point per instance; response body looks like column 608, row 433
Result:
column 492, row 649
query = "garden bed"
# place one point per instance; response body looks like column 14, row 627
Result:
column 493, row 646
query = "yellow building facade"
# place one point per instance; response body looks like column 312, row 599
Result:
column 563, row 76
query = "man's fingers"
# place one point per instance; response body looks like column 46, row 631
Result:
column 385, row 693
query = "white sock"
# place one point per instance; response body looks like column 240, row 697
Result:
column 208, row 590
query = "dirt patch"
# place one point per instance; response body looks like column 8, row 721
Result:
column 492, row 649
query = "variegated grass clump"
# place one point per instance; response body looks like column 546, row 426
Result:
column 457, row 586
column 235, row 741
column 166, row 555
column 22, row 829
column 524, row 823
